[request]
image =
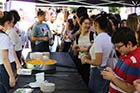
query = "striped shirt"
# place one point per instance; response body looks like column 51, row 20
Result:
column 127, row 70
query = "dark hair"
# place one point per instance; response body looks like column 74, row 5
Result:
column 83, row 18
column 115, row 21
column 132, row 22
column 124, row 20
column 74, row 17
column 15, row 15
column 118, row 17
column 109, row 29
column 82, row 11
column 124, row 35
column 40, row 12
column 58, row 10
column 6, row 17
column 73, row 11
column 71, row 25
column 104, row 24
column 67, row 13
column 92, row 17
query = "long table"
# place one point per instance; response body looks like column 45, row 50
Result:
column 66, row 77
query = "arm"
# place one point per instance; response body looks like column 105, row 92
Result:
column 77, row 33
column 62, row 42
column 74, row 49
column 98, row 50
column 123, row 85
column 63, row 29
column 71, row 37
column 30, row 28
column 35, row 34
column 65, row 35
column 78, row 21
column 40, row 38
column 96, row 62
column 8, row 68
column 26, row 42
column 108, row 75
column 17, row 31
column 18, row 65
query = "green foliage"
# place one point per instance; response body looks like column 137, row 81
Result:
column 74, row 9
column 114, row 10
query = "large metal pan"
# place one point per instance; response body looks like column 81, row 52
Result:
column 39, row 65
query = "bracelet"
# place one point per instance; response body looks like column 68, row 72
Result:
column 85, row 61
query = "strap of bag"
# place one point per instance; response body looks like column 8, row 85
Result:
column 113, row 59
column 114, row 54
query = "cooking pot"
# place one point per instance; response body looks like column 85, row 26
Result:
column 40, row 65
column 40, row 61
column 44, row 64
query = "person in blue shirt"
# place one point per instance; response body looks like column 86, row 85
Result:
column 41, row 34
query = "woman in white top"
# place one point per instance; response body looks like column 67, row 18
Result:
column 8, row 56
column 81, row 47
column 14, row 36
column 99, row 54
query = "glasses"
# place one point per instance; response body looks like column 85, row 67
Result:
column 118, row 47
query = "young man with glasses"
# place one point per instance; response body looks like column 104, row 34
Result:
column 128, row 67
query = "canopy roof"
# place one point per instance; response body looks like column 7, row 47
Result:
column 115, row 3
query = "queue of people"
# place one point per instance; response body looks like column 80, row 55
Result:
column 89, row 41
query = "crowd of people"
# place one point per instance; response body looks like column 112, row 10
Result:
column 89, row 39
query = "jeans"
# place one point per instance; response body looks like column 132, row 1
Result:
column 4, row 78
column 96, row 82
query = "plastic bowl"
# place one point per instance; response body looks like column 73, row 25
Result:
column 47, row 87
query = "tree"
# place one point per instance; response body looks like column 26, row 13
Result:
column 114, row 10
column 74, row 9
